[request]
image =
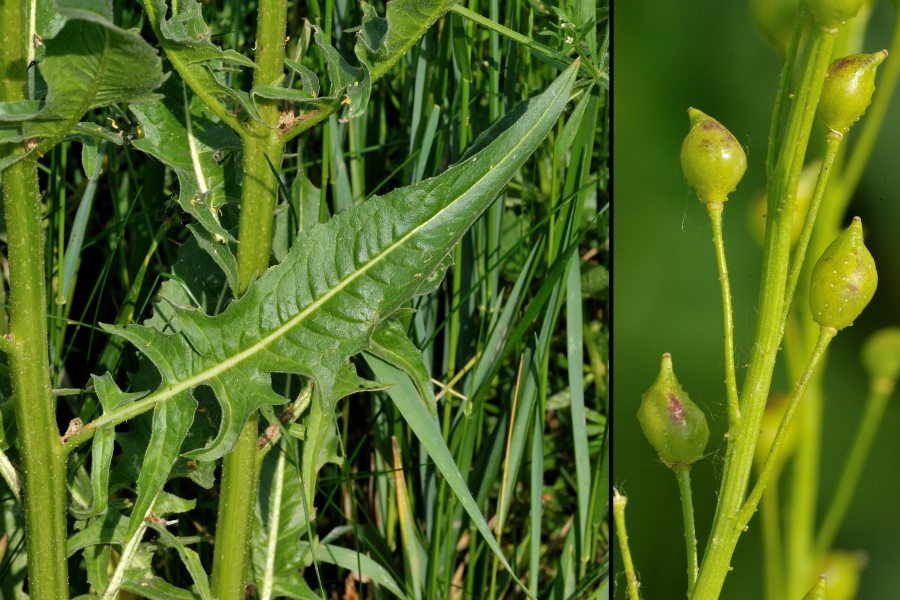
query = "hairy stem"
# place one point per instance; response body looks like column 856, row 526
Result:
column 26, row 343
column 262, row 159
column 767, row 337
column 826, row 334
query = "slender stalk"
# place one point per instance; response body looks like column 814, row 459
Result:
column 26, row 344
column 832, row 145
column 715, row 217
column 262, row 158
column 806, row 464
column 683, row 475
column 826, row 334
column 859, row 452
column 619, row 503
column 768, row 334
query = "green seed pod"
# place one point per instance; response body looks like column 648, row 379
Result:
column 818, row 590
column 881, row 357
column 712, row 159
column 843, row 281
column 831, row 14
column 848, row 90
column 672, row 423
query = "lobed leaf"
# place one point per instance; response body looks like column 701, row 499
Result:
column 89, row 63
column 320, row 306
column 178, row 133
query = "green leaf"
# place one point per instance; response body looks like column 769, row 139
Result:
column 391, row 344
column 278, row 524
column 382, row 41
column 179, row 133
column 352, row 560
column 320, row 306
column 90, row 63
column 186, row 40
column 189, row 558
column 353, row 82
column 108, row 530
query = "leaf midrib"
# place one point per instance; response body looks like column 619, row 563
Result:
column 167, row 392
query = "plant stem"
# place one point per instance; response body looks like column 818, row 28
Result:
column 832, row 145
column 768, row 334
column 715, row 217
column 683, row 475
column 26, row 345
column 43, row 457
column 188, row 71
column 262, row 159
column 862, row 444
column 826, row 334
column 619, row 503
column 782, row 96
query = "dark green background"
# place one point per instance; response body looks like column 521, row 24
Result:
column 667, row 56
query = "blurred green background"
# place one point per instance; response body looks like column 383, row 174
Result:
column 669, row 56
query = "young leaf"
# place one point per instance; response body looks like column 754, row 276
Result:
column 186, row 40
column 311, row 313
column 382, row 41
column 181, row 136
column 88, row 64
column 278, row 524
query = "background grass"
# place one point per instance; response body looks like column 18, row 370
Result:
column 421, row 118
column 666, row 297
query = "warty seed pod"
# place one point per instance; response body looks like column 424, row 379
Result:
column 672, row 423
column 847, row 91
column 843, row 280
column 712, row 159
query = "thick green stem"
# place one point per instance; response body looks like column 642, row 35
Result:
column 42, row 454
column 767, row 337
column 26, row 346
column 826, row 334
column 683, row 475
column 262, row 152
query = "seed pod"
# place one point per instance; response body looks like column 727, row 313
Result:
column 712, row 159
column 881, row 355
column 847, row 91
column 831, row 14
column 672, row 423
column 844, row 280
